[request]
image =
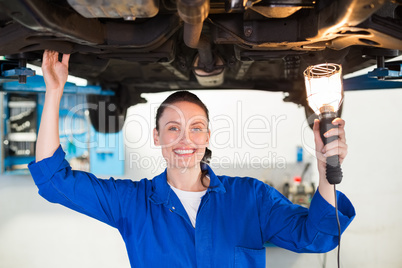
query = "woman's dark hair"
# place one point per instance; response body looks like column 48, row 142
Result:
column 179, row 96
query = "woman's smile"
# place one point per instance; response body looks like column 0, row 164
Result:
column 184, row 152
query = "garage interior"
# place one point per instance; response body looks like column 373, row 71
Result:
column 31, row 227
column 245, row 61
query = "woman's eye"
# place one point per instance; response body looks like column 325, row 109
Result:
column 196, row 129
column 173, row 128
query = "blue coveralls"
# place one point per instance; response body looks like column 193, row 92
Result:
column 235, row 218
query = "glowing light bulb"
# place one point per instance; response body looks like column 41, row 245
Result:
column 324, row 87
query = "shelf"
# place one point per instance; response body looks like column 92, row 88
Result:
column 22, row 137
column 22, row 104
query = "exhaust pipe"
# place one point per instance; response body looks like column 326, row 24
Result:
column 193, row 13
column 193, row 38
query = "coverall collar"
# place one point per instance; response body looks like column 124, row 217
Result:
column 161, row 190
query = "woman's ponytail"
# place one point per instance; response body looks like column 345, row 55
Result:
column 204, row 162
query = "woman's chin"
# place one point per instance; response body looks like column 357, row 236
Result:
column 188, row 163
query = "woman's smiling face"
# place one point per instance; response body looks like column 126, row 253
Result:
column 183, row 134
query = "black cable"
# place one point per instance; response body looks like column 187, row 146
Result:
column 324, row 262
column 339, row 229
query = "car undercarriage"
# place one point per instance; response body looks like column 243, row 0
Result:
column 145, row 46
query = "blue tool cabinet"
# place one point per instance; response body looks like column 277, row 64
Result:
column 87, row 150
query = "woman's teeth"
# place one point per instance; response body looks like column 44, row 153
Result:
column 184, row 151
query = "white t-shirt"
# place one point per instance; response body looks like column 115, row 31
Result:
column 190, row 201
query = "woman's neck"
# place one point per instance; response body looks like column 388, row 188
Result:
column 188, row 179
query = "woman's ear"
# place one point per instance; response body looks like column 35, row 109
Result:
column 208, row 136
column 156, row 137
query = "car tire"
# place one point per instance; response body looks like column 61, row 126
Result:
column 106, row 113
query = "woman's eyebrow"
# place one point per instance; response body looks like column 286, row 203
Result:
column 172, row 122
column 197, row 122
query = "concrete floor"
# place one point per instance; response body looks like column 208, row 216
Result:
column 35, row 233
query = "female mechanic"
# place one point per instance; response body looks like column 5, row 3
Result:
column 187, row 216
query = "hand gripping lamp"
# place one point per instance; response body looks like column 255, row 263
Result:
column 325, row 95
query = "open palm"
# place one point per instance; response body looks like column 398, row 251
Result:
column 55, row 72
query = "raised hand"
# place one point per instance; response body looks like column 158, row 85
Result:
column 55, row 72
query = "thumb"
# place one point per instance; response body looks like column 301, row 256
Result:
column 319, row 144
column 65, row 59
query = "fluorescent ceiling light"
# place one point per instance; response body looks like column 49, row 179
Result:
column 72, row 79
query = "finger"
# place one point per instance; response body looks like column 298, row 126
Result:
column 339, row 122
column 341, row 128
column 334, row 132
column 316, row 126
column 46, row 56
column 340, row 132
column 49, row 57
column 316, row 131
column 65, row 59
column 337, row 131
column 55, row 57
column 341, row 152
column 333, row 145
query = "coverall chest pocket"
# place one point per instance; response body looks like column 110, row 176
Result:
column 248, row 257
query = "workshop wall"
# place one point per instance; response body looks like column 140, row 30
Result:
column 35, row 233
column 373, row 178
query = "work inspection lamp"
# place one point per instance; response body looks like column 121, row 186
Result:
column 325, row 95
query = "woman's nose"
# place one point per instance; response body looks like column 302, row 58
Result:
column 185, row 136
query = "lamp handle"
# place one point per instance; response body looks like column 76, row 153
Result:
column 334, row 171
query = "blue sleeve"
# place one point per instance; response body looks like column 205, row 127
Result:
column 81, row 191
column 313, row 230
